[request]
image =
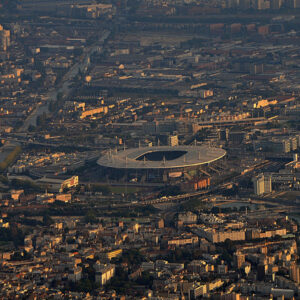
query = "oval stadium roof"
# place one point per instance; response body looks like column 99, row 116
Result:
column 138, row 158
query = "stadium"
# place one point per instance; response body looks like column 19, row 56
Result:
column 159, row 162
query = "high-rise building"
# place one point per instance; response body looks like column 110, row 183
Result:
column 4, row 39
column 259, row 4
column 259, row 184
column 268, row 183
column 276, row 4
column 262, row 184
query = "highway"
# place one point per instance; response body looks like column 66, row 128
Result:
column 177, row 198
column 213, row 189
column 64, row 87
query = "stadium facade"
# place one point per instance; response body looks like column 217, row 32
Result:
column 159, row 163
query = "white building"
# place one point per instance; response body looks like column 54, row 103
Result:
column 259, row 184
column 262, row 184
column 187, row 218
column 103, row 272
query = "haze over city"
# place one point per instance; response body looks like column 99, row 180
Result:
column 149, row 149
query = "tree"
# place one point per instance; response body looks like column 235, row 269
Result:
column 21, row 255
column 47, row 220
column 228, row 245
column 13, row 234
column 146, row 279
column 10, row 158
column 90, row 217
column 31, row 128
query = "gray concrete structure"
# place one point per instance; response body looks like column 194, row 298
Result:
column 161, row 157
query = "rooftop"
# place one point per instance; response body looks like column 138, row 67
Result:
column 161, row 157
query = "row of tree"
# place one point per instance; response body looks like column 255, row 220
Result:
column 10, row 158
